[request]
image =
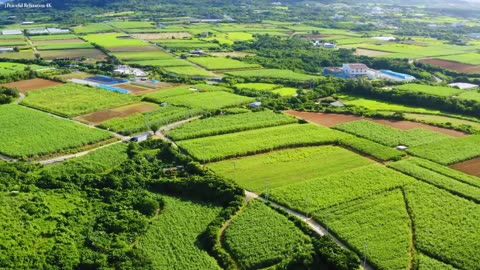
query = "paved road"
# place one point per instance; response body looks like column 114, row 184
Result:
column 319, row 229
column 5, row 158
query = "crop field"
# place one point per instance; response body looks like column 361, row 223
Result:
column 425, row 263
column 449, row 151
column 381, row 222
column 93, row 28
column 123, row 111
column 162, row 63
column 452, row 238
column 372, row 149
column 26, row 132
column 12, row 42
column 160, row 36
column 161, row 95
column 65, row 46
column 132, row 24
column 385, row 106
column 470, row 95
column 72, row 99
column 53, row 37
column 11, row 37
column 472, row 167
column 139, row 122
column 87, row 53
column 291, row 166
column 370, row 53
column 221, row 63
column 430, row 90
column 209, row 100
column 410, row 51
column 57, row 41
column 258, row 141
column 468, row 58
column 187, row 44
column 9, row 68
column 391, row 136
column 99, row 161
column 171, row 241
column 272, row 74
column 335, row 189
column 111, row 40
column 31, row 85
column 452, row 65
column 260, row 237
column 142, row 56
column 228, row 124
column 188, row 71
column 439, row 119
column 257, row 86
column 461, row 189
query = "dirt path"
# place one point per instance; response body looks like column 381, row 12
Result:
column 161, row 131
column 20, row 98
column 319, row 229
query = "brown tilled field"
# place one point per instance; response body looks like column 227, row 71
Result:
column 330, row 120
column 31, row 85
column 455, row 66
column 471, row 167
column 154, row 36
column 124, row 111
column 135, row 90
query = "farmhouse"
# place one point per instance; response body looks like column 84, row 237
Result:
column 126, row 70
column 355, row 70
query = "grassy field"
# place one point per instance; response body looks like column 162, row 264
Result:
column 162, row 63
column 439, row 119
column 73, row 99
column 272, row 74
column 257, row 86
column 188, row 71
column 132, row 24
column 221, row 63
column 229, row 123
column 252, row 142
column 381, row 222
column 384, row 106
column 281, row 168
column 65, row 46
column 430, row 90
column 139, row 122
column 285, row 91
column 209, row 100
column 186, row 44
column 143, row 56
column 260, row 237
column 470, row 95
column 171, row 241
column 391, row 136
column 372, row 149
column 468, row 58
column 93, row 28
column 97, row 162
column 413, row 51
column 449, row 151
column 10, row 68
column 26, row 132
column 53, row 37
column 111, row 40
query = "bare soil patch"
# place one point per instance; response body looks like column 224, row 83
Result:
column 330, row 120
column 154, row 85
column 455, row 66
column 231, row 54
column 124, row 111
column 133, row 48
column 31, row 85
column 154, row 36
column 371, row 53
column 471, row 167
column 87, row 53
column 135, row 90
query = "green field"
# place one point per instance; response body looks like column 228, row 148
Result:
column 111, row 40
column 449, row 151
column 171, row 240
column 272, row 74
column 376, row 105
column 281, row 168
column 260, row 237
column 412, row 51
column 142, row 56
column 10, row 68
column 188, row 71
column 140, row 122
column 468, row 58
column 99, row 161
column 470, row 95
column 73, row 99
column 93, row 28
column 379, row 222
column 221, row 63
column 65, row 46
column 53, row 37
column 208, row 100
column 186, row 44
column 372, row 149
column 257, row 86
column 390, row 136
column 430, row 90
column 132, row 24
column 161, row 63
column 229, row 123
column 26, row 132
column 285, row 91
column 335, row 189
column 439, row 119
column 252, row 142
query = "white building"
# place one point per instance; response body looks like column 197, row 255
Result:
column 464, row 86
column 126, row 70
column 4, row 50
column 12, row 32
column 356, row 69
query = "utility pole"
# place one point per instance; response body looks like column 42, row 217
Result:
column 266, row 191
column 326, row 220
column 307, row 204
column 365, row 246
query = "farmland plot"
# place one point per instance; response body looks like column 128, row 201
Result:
column 430, row 90
column 142, row 56
column 72, row 99
column 171, row 241
column 188, row 71
column 229, row 123
column 65, row 46
column 259, row 141
column 281, row 168
column 221, row 63
column 208, row 100
column 335, row 189
column 26, row 132
column 260, row 237
column 112, row 40
column 93, row 28
column 272, row 74
column 162, row 63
